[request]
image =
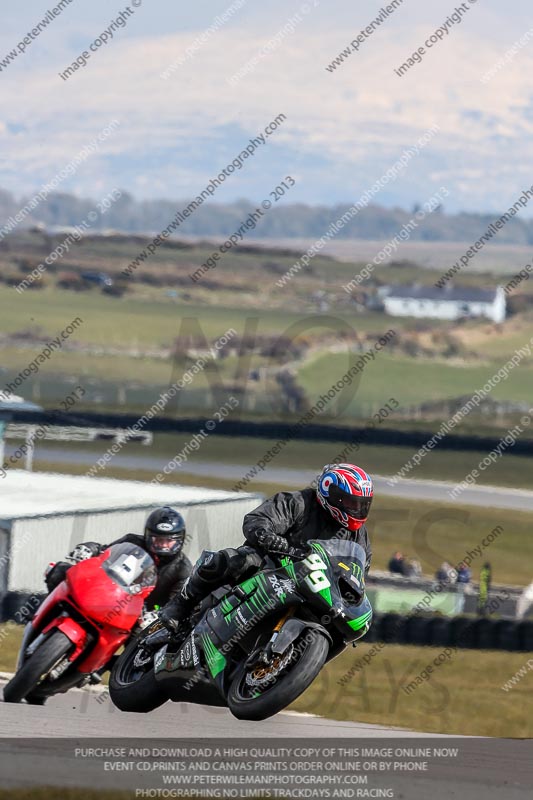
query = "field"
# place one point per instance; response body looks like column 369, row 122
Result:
column 122, row 350
column 413, row 381
column 148, row 318
column 124, row 345
column 461, row 697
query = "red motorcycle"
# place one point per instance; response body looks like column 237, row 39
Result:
column 82, row 623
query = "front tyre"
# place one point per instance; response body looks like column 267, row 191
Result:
column 36, row 669
column 132, row 687
column 255, row 696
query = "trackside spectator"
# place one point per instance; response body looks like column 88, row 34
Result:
column 446, row 573
column 464, row 574
column 398, row 565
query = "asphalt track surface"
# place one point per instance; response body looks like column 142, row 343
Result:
column 37, row 746
column 33, row 754
column 91, row 713
column 434, row 491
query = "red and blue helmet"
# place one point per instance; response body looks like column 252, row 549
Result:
column 346, row 491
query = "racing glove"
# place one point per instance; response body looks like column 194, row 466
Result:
column 271, row 542
column 83, row 551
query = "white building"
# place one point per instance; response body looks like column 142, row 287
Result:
column 43, row 516
column 449, row 303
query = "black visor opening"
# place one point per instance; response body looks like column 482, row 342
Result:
column 357, row 507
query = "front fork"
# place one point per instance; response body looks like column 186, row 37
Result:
column 265, row 655
column 26, row 637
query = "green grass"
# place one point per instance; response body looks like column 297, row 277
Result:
column 10, row 638
column 410, row 381
column 104, row 367
column 148, row 318
column 461, row 697
column 434, row 532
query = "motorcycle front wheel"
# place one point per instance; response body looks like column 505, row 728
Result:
column 260, row 691
column 134, row 688
column 36, row 669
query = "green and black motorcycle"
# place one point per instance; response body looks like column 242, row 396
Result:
column 256, row 647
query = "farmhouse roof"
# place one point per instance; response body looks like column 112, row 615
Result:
column 454, row 294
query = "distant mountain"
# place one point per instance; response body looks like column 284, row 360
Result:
column 283, row 221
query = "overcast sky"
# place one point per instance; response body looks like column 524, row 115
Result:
column 343, row 131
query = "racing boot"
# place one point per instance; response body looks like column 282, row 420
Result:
column 208, row 573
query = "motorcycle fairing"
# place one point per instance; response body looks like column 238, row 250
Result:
column 226, row 624
column 205, row 656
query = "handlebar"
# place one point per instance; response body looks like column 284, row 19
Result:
column 292, row 552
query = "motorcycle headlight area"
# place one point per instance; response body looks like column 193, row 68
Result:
column 351, row 588
column 131, row 570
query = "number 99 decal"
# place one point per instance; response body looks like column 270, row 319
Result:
column 316, row 580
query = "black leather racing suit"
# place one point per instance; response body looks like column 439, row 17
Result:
column 296, row 516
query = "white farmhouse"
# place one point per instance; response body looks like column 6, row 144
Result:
column 448, row 303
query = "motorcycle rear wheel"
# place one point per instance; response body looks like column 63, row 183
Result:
column 37, row 666
column 311, row 649
column 130, row 688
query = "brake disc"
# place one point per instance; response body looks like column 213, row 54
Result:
column 264, row 674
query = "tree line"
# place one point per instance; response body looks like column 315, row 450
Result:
column 285, row 221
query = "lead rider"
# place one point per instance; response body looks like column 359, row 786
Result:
column 338, row 508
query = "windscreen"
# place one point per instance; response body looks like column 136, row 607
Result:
column 344, row 549
column 351, row 558
column 131, row 567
